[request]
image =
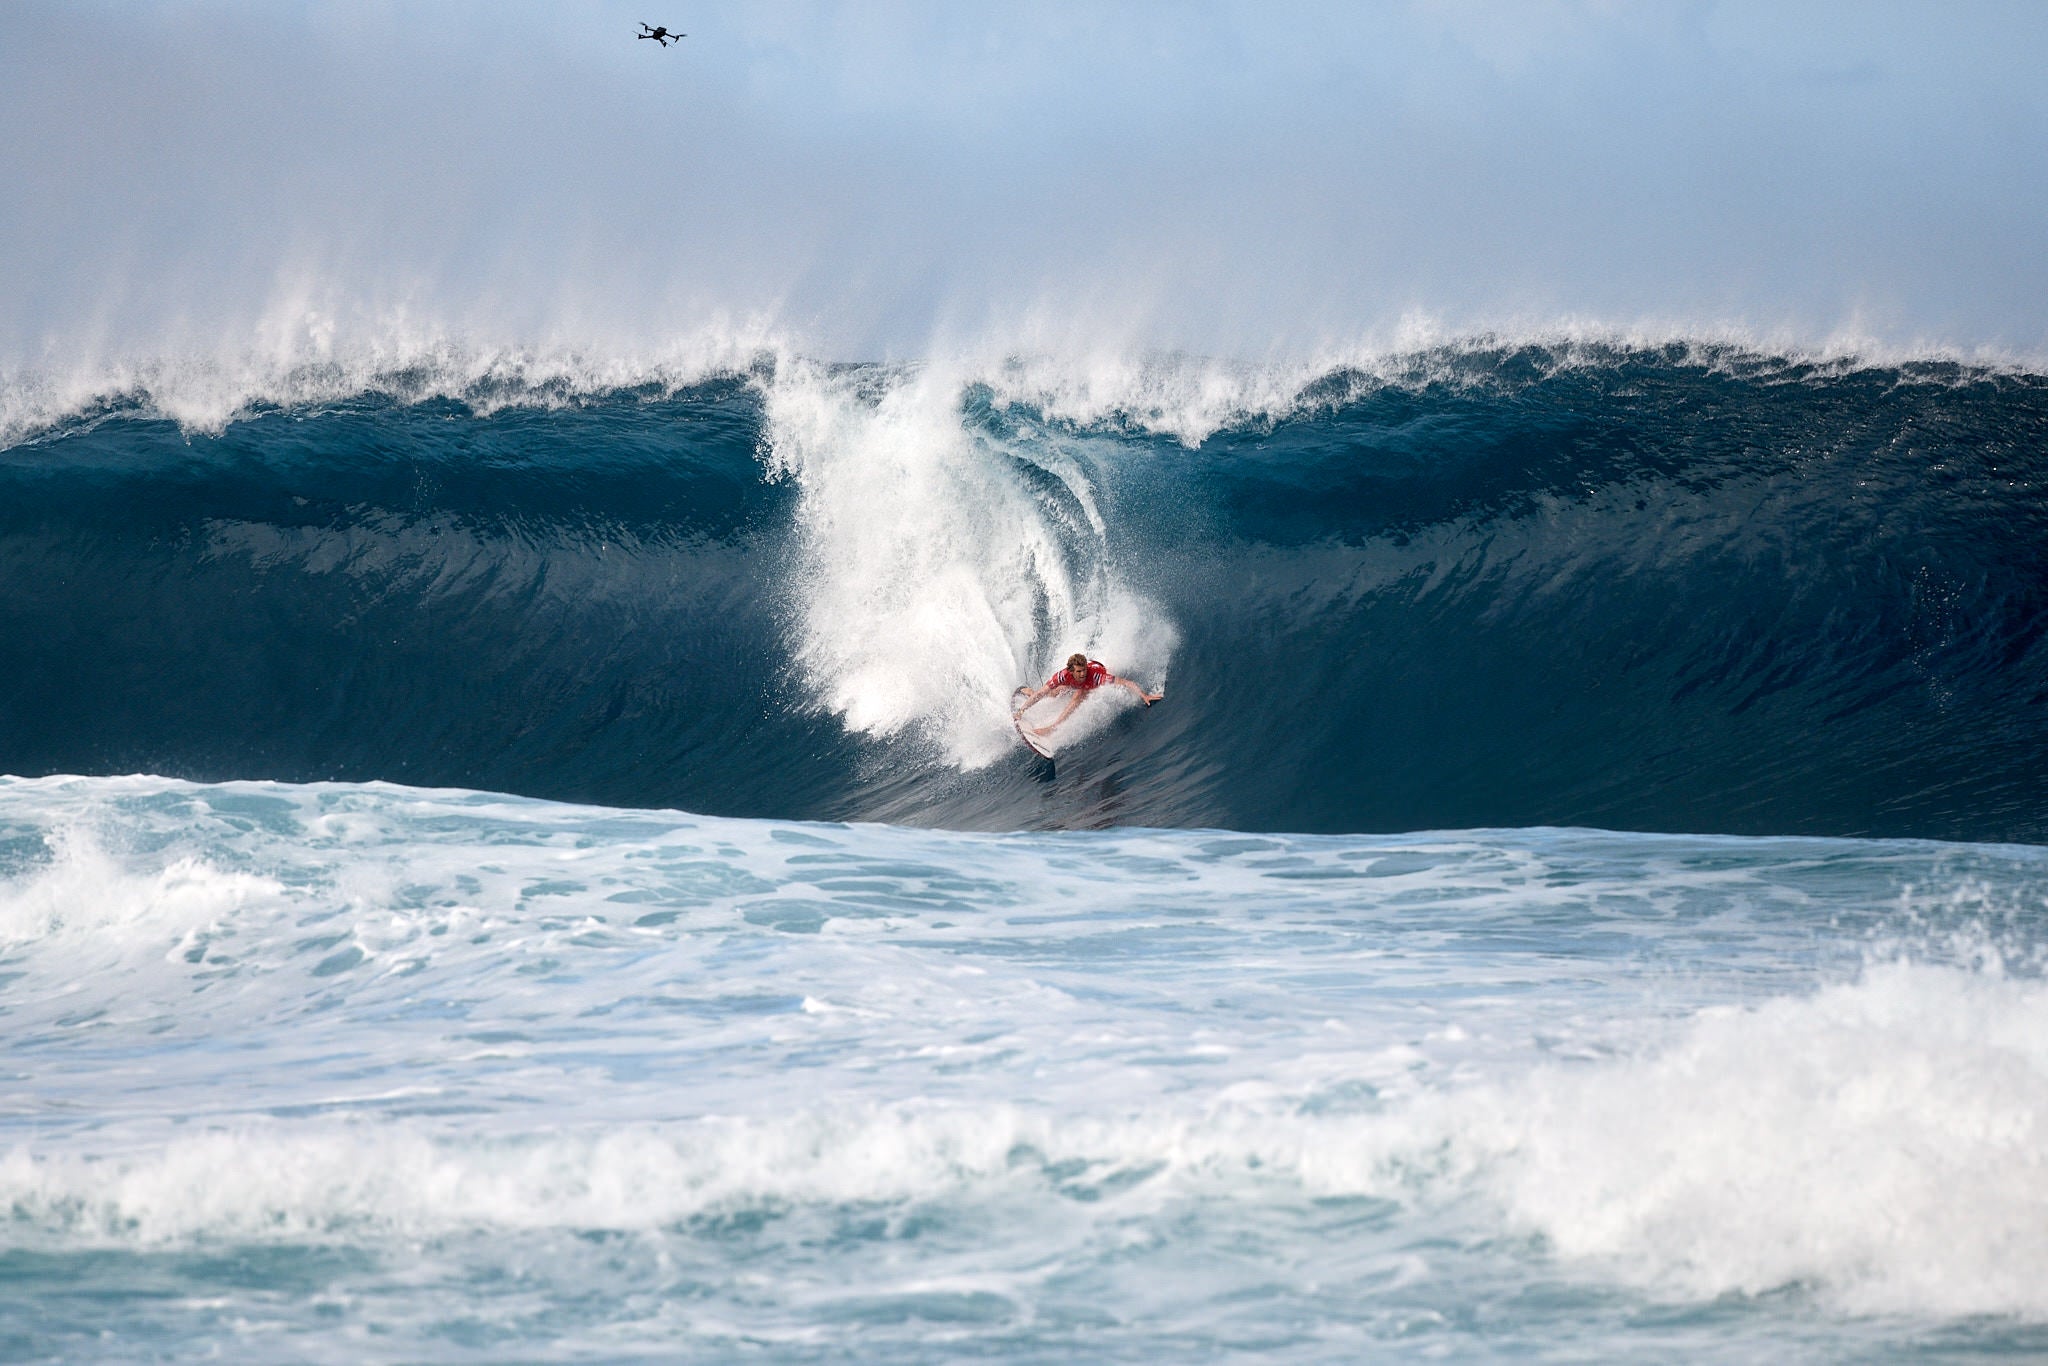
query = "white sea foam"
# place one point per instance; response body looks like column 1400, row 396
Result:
column 87, row 900
column 288, row 1183
column 1602, row 1060
column 1876, row 1143
column 1879, row 1141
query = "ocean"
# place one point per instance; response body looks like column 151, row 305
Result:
column 531, row 862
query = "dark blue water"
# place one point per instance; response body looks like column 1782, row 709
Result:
column 1647, row 590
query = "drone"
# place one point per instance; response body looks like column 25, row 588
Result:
column 660, row 35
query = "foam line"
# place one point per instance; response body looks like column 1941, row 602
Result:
column 1876, row 1143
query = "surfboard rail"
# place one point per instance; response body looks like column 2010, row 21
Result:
column 1036, row 744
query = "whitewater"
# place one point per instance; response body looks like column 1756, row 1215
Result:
column 337, row 1072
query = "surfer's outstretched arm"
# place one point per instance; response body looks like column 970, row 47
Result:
column 1148, row 698
column 1052, row 725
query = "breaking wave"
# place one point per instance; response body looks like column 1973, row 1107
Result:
column 1679, row 586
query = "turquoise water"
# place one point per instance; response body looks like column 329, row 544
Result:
column 366, row 1073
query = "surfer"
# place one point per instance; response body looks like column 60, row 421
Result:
column 1081, row 677
column 660, row 35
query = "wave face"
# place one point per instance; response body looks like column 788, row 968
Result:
column 1645, row 588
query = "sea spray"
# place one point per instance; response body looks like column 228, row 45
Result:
column 943, row 562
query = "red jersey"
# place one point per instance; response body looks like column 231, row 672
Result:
column 1095, row 676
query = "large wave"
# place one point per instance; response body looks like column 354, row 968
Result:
column 1673, row 587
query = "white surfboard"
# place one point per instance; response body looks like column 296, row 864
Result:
column 1037, row 713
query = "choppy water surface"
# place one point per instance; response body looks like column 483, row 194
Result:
column 345, row 1072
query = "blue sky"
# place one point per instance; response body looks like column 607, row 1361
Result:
column 883, row 178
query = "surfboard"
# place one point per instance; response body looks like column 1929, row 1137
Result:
column 1036, row 743
column 1039, row 713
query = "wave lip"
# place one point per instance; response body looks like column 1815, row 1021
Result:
column 204, row 393
column 1187, row 396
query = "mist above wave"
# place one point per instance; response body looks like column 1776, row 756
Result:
column 912, row 182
